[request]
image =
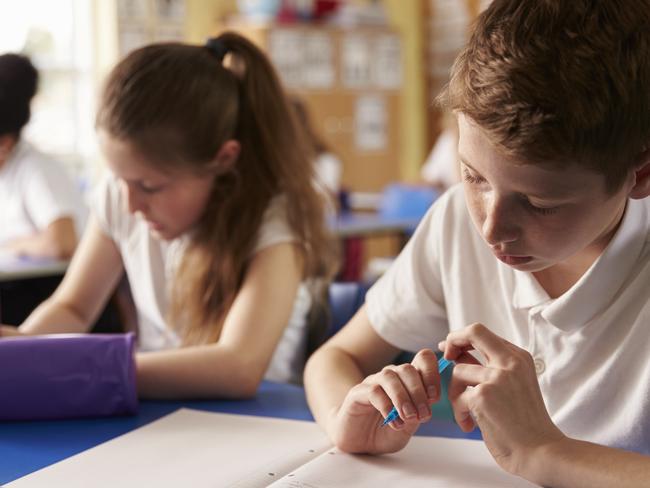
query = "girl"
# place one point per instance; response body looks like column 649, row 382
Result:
column 210, row 211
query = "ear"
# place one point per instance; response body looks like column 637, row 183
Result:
column 227, row 156
column 641, row 188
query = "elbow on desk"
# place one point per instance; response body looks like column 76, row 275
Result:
column 244, row 381
column 60, row 239
column 62, row 250
column 64, row 246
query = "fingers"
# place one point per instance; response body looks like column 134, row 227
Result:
column 464, row 379
column 412, row 402
column 379, row 398
column 463, row 358
column 426, row 362
column 480, row 338
column 410, row 388
column 462, row 410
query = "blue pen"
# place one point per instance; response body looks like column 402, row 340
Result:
column 393, row 415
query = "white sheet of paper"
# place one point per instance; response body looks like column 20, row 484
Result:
column 7, row 258
column 429, row 462
column 190, row 448
column 210, row 450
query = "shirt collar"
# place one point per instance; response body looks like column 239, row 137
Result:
column 596, row 289
column 527, row 291
column 17, row 152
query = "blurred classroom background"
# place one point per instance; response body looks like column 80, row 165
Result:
column 365, row 72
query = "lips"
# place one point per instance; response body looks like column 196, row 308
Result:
column 154, row 225
column 513, row 260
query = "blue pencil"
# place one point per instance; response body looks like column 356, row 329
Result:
column 393, row 415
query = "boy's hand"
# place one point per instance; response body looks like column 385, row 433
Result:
column 412, row 388
column 502, row 397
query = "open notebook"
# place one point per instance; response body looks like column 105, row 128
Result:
column 210, row 450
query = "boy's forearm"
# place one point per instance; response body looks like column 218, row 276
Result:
column 577, row 464
column 329, row 375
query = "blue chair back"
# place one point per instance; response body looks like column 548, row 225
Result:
column 345, row 298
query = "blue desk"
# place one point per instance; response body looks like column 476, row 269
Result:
column 28, row 446
column 371, row 224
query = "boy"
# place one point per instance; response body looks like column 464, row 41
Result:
column 539, row 262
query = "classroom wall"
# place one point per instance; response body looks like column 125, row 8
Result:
column 408, row 18
column 202, row 15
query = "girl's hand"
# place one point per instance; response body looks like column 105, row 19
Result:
column 412, row 388
column 502, row 397
column 9, row 331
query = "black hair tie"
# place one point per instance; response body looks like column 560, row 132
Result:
column 217, row 48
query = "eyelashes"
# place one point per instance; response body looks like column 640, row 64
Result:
column 541, row 210
column 475, row 180
column 470, row 178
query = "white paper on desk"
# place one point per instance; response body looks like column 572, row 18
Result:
column 190, row 448
column 425, row 462
column 7, row 258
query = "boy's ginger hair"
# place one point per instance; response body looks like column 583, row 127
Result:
column 558, row 82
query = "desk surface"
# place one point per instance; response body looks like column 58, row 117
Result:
column 28, row 446
column 365, row 224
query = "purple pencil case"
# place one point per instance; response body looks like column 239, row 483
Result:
column 67, row 376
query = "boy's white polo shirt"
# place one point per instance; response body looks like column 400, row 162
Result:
column 591, row 346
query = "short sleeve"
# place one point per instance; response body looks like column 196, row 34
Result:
column 107, row 206
column 51, row 193
column 406, row 306
column 275, row 228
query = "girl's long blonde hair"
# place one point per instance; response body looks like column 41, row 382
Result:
column 178, row 104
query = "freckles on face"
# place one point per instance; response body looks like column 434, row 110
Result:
column 533, row 216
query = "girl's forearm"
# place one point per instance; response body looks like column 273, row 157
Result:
column 54, row 317
column 206, row 371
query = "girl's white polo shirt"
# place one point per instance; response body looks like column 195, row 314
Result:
column 591, row 346
column 150, row 266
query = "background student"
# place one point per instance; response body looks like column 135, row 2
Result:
column 210, row 210
column 440, row 169
column 544, row 250
column 42, row 212
column 327, row 165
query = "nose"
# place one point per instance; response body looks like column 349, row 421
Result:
column 500, row 222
